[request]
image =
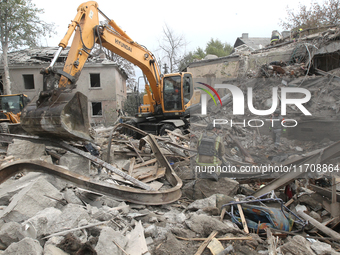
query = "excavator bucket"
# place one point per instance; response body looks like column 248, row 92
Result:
column 58, row 114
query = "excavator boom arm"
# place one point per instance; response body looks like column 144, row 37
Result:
column 88, row 32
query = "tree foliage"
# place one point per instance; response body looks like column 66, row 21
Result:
column 314, row 15
column 214, row 47
column 20, row 25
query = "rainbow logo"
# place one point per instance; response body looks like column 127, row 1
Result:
column 209, row 93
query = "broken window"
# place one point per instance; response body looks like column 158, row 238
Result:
column 95, row 80
column 97, row 109
column 28, row 81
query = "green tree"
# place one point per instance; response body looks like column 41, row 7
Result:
column 199, row 53
column 314, row 15
column 20, row 26
column 216, row 47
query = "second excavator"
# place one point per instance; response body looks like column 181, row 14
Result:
column 62, row 112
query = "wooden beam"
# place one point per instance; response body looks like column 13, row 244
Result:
column 319, row 225
column 206, row 242
column 149, row 162
column 132, row 163
column 223, row 213
column 215, row 247
column 226, row 238
column 271, row 243
column 243, row 219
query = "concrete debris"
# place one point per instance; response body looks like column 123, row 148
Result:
column 75, row 163
column 296, row 246
column 25, row 246
column 40, row 224
column 42, row 214
column 30, row 200
column 204, row 225
column 21, row 149
column 53, row 250
column 10, row 232
column 321, row 248
column 109, row 240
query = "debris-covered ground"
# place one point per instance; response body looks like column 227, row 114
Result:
column 121, row 195
column 42, row 214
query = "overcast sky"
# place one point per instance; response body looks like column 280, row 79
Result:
column 197, row 21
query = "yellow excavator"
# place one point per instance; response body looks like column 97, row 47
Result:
column 10, row 111
column 62, row 113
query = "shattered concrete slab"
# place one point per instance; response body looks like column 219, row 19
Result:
column 204, row 225
column 296, row 246
column 11, row 232
column 22, row 149
column 37, row 196
column 70, row 217
column 41, row 221
column 108, row 240
column 76, row 163
column 25, row 246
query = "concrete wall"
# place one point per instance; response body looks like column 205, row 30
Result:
column 111, row 93
column 215, row 71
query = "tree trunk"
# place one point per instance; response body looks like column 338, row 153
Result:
column 6, row 79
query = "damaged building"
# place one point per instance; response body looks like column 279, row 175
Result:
column 101, row 80
column 310, row 61
column 122, row 195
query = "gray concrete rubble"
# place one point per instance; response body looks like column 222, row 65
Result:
column 25, row 246
column 214, row 212
column 43, row 214
column 39, row 195
column 75, row 163
column 26, row 150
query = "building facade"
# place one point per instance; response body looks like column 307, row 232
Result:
column 101, row 80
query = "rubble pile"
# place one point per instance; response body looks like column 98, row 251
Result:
column 123, row 195
column 41, row 214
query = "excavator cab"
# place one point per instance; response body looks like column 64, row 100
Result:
column 177, row 92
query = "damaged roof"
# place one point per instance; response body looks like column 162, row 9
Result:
column 253, row 43
column 43, row 55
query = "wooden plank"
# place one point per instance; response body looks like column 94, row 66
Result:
column 156, row 185
column 132, row 163
column 289, row 202
column 243, row 219
column 206, row 242
column 226, row 238
column 136, row 150
column 215, row 246
column 149, row 162
column 223, row 213
column 319, row 226
column 160, row 173
column 144, row 172
column 271, row 243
